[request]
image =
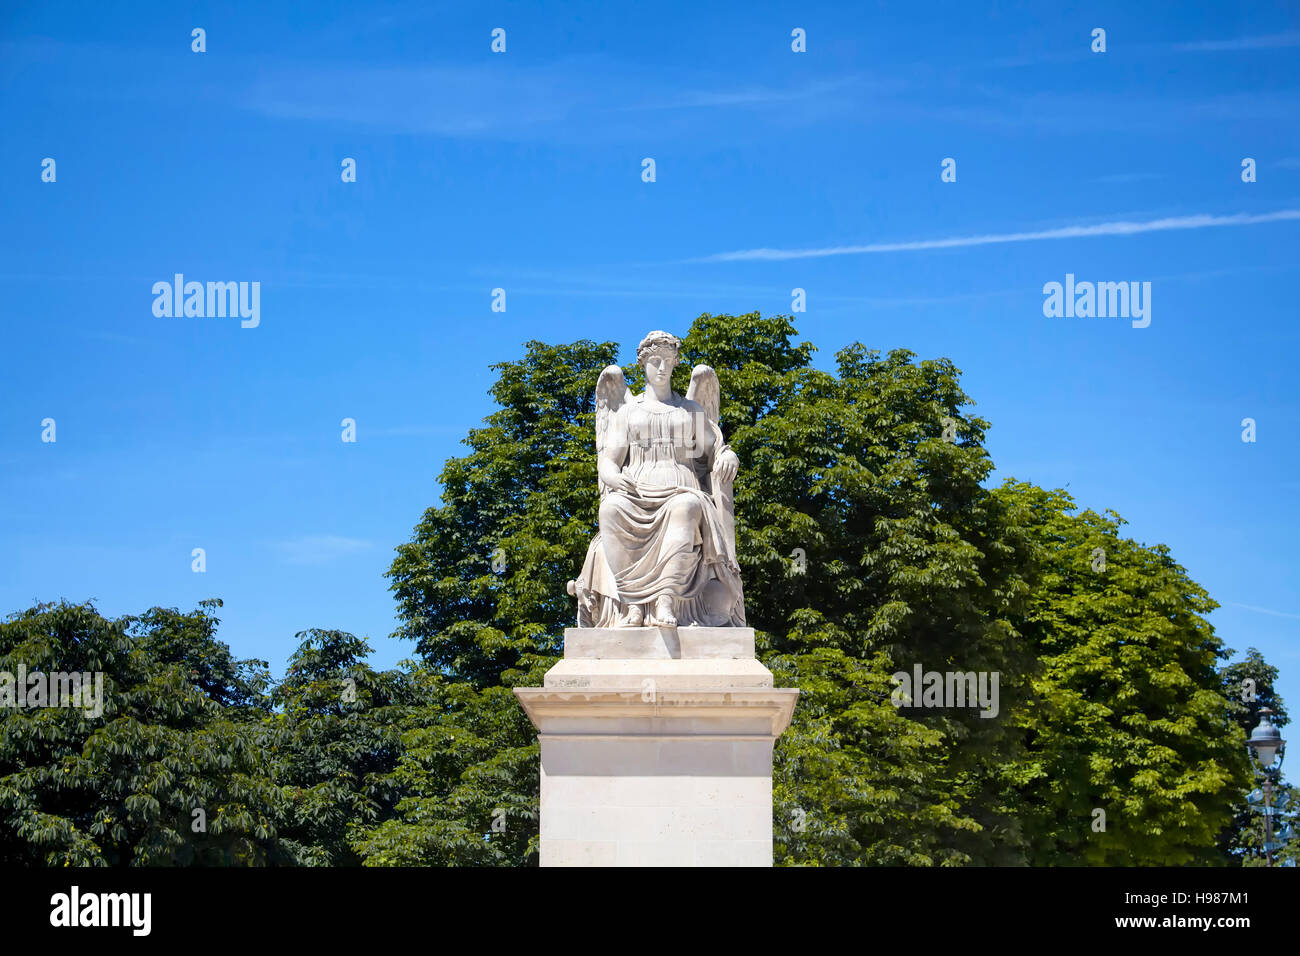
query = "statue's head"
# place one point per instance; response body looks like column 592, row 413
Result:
column 658, row 355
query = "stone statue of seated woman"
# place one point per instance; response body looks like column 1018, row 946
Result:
column 665, row 554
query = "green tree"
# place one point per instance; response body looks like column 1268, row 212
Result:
column 1128, row 714
column 184, row 728
column 868, row 544
column 1249, row 685
column 340, row 727
column 874, row 472
column 522, row 496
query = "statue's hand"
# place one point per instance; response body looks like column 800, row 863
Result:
column 625, row 484
column 726, row 466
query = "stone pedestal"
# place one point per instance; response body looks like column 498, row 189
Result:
column 657, row 748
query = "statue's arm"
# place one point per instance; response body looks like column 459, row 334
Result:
column 614, row 455
column 725, row 461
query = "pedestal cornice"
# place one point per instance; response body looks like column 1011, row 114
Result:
column 727, row 712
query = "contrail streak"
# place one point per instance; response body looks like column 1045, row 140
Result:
column 1201, row 221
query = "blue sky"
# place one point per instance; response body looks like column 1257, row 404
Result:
column 522, row 170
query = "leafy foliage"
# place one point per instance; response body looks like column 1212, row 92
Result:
column 875, row 473
column 524, row 493
column 1243, row 841
column 1128, row 714
column 183, row 728
column 339, row 736
column 869, row 544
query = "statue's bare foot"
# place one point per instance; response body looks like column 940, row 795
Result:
column 663, row 615
column 633, row 618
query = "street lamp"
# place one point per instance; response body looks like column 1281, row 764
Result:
column 1268, row 748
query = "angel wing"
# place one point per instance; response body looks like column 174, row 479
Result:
column 611, row 393
column 705, row 390
column 708, row 393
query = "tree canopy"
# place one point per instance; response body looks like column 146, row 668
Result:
column 871, row 541
column 868, row 544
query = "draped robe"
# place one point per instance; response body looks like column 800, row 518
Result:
column 673, row 539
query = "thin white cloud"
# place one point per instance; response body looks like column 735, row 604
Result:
column 319, row 548
column 1271, row 41
column 1264, row 610
column 1126, row 177
column 755, row 95
column 1200, row 221
column 582, row 96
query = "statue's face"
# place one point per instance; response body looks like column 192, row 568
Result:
column 659, row 365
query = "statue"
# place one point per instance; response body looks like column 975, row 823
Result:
column 665, row 554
